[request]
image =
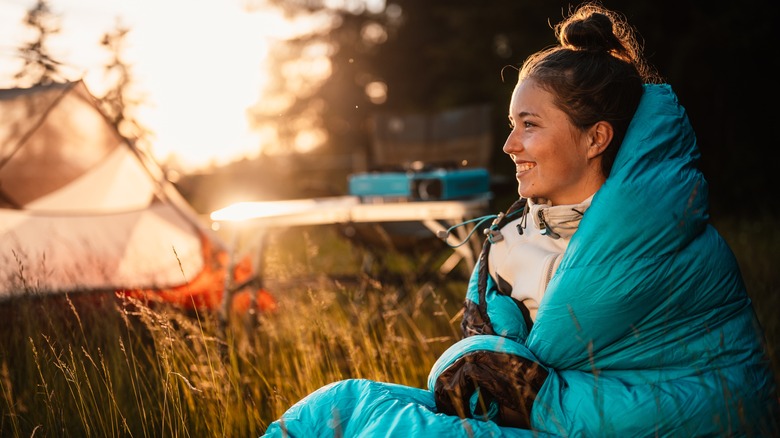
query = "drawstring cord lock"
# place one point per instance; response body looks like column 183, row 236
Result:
column 492, row 233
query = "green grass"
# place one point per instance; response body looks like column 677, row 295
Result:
column 96, row 365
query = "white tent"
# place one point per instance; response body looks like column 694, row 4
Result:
column 82, row 209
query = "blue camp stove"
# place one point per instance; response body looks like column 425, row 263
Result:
column 427, row 185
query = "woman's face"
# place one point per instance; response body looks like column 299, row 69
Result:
column 551, row 155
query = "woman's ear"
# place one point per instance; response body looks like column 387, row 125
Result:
column 601, row 135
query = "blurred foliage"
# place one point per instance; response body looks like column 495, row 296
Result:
column 39, row 67
column 121, row 101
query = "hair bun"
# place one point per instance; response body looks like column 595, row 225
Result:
column 589, row 31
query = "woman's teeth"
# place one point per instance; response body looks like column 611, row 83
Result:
column 525, row 166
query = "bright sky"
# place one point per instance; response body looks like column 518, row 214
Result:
column 199, row 62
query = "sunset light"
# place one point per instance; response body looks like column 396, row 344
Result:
column 198, row 67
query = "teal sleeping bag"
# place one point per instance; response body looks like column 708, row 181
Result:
column 645, row 330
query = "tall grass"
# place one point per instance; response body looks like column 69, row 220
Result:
column 88, row 365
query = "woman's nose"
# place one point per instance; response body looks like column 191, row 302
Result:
column 511, row 145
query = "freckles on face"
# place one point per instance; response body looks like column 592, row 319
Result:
column 547, row 149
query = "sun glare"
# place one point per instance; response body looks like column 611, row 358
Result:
column 241, row 211
column 205, row 65
column 199, row 66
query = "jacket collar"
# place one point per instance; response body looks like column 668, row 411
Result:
column 556, row 221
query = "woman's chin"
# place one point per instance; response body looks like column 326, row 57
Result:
column 523, row 193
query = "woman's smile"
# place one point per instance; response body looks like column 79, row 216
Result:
column 523, row 166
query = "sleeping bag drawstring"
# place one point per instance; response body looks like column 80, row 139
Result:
column 443, row 234
column 493, row 234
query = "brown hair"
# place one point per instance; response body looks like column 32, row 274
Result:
column 596, row 72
